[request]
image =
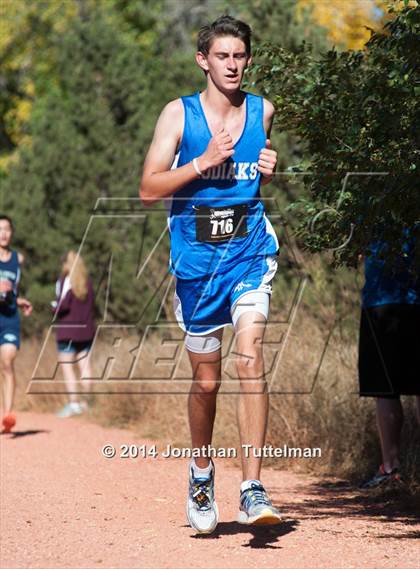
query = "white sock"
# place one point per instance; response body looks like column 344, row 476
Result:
column 247, row 484
column 201, row 472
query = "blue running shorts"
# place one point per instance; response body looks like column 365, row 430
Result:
column 10, row 330
column 205, row 304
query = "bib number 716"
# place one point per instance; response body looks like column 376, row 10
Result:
column 221, row 226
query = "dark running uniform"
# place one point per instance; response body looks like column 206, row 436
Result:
column 389, row 341
column 9, row 312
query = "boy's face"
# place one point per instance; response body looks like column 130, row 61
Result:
column 226, row 62
column 5, row 233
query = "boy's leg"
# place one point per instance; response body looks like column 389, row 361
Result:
column 390, row 417
column 206, row 371
column 252, row 408
column 255, row 505
column 8, row 354
column 202, row 511
column 249, row 313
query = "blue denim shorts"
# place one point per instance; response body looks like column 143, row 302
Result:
column 72, row 347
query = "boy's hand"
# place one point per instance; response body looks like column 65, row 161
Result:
column 267, row 160
column 220, row 148
column 25, row 306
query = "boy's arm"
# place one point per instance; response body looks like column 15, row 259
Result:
column 24, row 304
column 269, row 112
column 158, row 180
column 268, row 157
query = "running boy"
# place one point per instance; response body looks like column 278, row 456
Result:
column 10, row 271
column 223, row 250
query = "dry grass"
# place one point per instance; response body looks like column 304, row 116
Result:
column 310, row 409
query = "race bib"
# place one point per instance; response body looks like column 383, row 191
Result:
column 218, row 224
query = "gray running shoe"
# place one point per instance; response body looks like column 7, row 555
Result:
column 256, row 507
column 202, row 511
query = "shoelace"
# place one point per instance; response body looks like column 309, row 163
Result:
column 255, row 495
column 201, row 492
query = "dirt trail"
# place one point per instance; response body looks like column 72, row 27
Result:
column 64, row 505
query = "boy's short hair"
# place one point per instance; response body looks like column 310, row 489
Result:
column 7, row 218
column 223, row 26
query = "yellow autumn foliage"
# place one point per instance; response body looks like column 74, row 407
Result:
column 348, row 21
column 20, row 43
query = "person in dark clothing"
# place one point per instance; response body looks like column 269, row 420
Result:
column 75, row 329
column 10, row 302
column 389, row 355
